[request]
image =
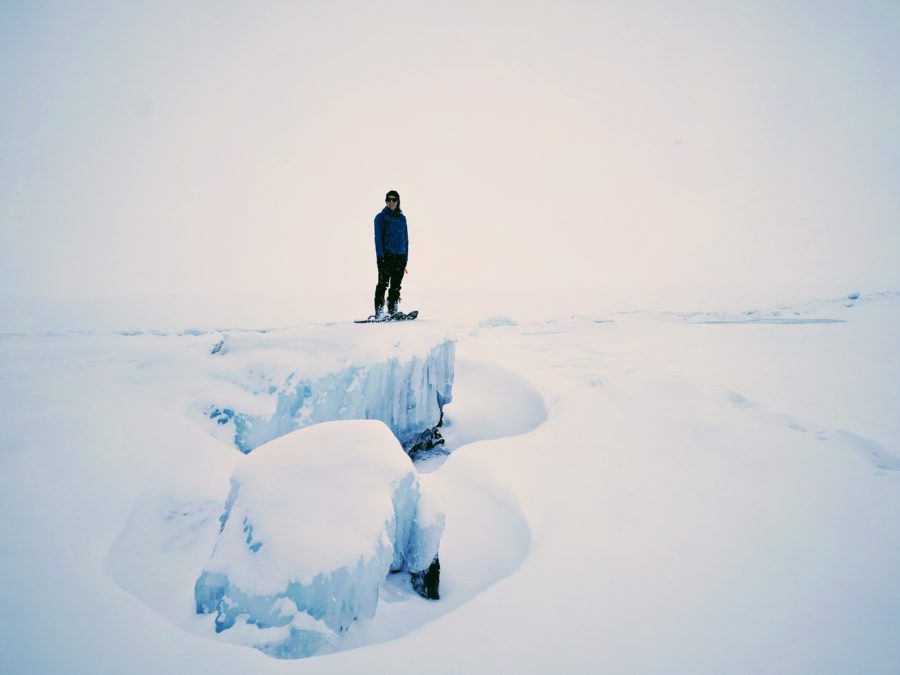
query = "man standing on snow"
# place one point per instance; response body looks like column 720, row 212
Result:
column 391, row 253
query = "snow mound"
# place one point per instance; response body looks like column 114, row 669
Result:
column 274, row 384
column 491, row 402
column 497, row 321
column 314, row 522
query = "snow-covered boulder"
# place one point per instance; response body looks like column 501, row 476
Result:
column 276, row 383
column 314, row 522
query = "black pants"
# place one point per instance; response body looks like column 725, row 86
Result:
column 390, row 272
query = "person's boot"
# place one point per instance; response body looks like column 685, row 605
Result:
column 379, row 311
column 393, row 307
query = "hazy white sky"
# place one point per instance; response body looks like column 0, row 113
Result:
column 154, row 147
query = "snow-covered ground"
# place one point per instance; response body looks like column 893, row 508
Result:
column 678, row 492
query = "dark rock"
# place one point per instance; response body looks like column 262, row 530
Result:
column 426, row 445
column 426, row 582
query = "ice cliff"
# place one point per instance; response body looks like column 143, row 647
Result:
column 274, row 384
column 313, row 523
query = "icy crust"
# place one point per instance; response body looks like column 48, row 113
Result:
column 313, row 523
column 404, row 387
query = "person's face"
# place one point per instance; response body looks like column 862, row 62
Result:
column 391, row 202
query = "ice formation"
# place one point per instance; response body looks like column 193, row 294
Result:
column 314, row 522
column 404, row 385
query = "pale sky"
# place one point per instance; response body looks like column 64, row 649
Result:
column 197, row 147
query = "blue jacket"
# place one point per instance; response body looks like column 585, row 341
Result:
column 390, row 233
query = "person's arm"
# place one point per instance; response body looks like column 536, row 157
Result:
column 406, row 238
column 379, row 253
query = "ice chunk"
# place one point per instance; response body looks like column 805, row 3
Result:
column 313, row 523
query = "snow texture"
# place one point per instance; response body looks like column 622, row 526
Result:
column 313, row 523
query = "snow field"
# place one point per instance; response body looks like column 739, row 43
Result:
column 688, row 498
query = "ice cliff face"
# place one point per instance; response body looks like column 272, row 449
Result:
column 313, row 523
column 404, row 388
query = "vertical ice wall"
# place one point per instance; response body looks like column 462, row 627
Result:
column 405, row 391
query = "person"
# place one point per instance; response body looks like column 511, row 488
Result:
column 391, row 254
